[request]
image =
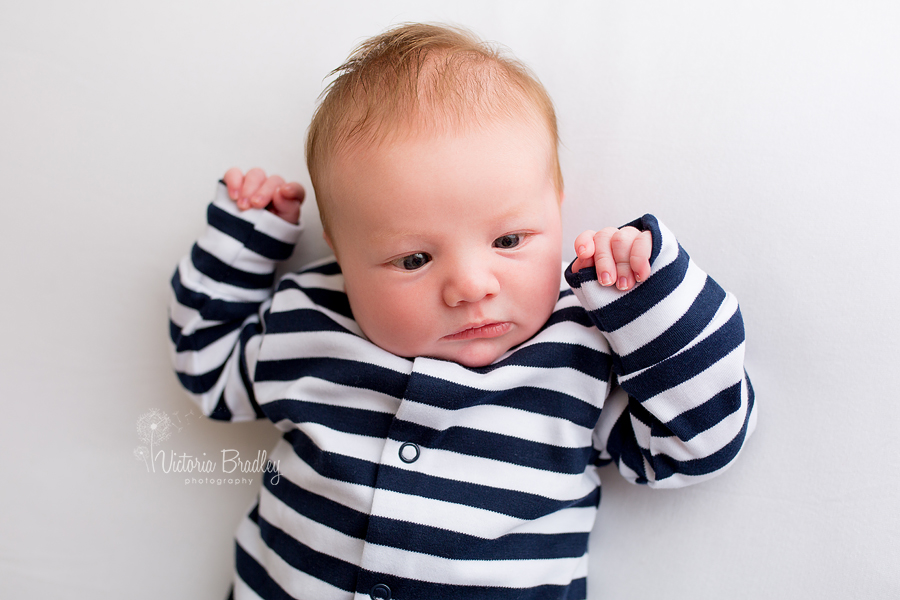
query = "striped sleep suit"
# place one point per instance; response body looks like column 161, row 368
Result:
column 422, row 479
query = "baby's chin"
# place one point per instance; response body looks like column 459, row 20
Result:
column 473, row 354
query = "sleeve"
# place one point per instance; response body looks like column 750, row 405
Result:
column 683, row 405
column 220, row 293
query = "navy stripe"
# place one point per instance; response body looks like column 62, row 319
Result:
column 256, row 577
column 330, row 464
column 575, row 314
column 700, row 418
column 335, row 571
column 318, row 508
column 211, row 309
column 680, row 334
column 629, row 306
column 247, row 333
column 521, row 505
column 221, row 412
column 689, row 363
column 446, row 394
column 217, row 270
column 517, row 504
column 665, row 466
column 329, row 268
column 496, row 446
column 247, row 234
column 649, row 223
column 460, row 546
column 333, row 300
column 557, row 355
column 200, row 384
column 623, row 446
column 412, row 589
column 340, row 418
column 302, row 320
column 337, row 370
column 201, row 338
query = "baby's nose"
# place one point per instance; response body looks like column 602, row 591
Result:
column 470, row 283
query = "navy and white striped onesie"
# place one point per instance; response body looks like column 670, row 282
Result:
column 423, row 479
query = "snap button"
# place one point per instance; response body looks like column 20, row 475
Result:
column 409, row 452
column 380, row 592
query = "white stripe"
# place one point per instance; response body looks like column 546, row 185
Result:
column 478, row 522
column 296, row 583
column 182, row 316
column 291, row 467
column 706, row 442
column 233, row 253
column 334, row 283
column 569, row 332
column 196, row 281
column 320, row 391
column 564, row 380
column 656, row 321
column 315, row 535
column 502, row 420
column 330, row 344
column 208, row 358
column 500, row 573
column 243, row 592
column 491, row 473
column 292, row 299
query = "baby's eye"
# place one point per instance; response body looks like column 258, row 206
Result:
column 510, row 240
column 412, row 261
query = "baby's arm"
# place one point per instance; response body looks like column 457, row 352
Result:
column 224, row 285
column 683, row 406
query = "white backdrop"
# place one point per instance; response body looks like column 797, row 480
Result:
column 765, row 133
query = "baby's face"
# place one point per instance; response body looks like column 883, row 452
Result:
column 450, row 245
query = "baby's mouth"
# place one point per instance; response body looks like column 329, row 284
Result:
column 480, row 330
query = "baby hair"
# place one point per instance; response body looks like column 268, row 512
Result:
column 418, row 78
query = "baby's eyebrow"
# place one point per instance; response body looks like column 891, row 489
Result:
column 392, row 235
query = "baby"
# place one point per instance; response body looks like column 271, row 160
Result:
column 446, row 396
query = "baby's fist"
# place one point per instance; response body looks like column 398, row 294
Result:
column 256, row 190
column 621, row 256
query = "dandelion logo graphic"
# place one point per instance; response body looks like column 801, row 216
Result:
column 153, row 427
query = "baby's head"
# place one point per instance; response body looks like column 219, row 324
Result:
column 434, row 161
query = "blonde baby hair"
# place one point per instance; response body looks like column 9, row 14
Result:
column 419, row 77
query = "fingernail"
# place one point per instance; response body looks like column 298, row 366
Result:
column 233, row 194
column 623, row 283
column 256, row 200
column 605, row 278
column 580, row 250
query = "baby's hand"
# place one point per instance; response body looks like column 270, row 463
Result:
column 622, row 256
column 256, row 190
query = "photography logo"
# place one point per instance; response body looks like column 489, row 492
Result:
column 155, row 427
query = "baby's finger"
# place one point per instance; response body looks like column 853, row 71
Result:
column 621, row 244
column 640, row 256
column 604, row 259
column 584, row 251
column 266, row 192
column 252, row 181
column 286, row 202
column 234, row 179
column 292, row 190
